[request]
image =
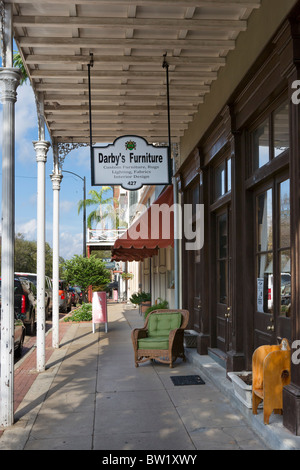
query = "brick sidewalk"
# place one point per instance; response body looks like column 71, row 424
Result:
column 25, row 369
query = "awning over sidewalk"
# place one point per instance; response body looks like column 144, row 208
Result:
column 154, row 229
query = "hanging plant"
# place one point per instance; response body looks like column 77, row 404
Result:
column 127, row 276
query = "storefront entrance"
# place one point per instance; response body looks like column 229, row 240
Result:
column 223, row 290
column 273, row 262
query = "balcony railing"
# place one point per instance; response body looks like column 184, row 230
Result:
column 104, row 236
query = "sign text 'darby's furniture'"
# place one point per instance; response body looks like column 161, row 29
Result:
column 130, row 162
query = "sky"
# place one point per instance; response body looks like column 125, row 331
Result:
column 77, row 161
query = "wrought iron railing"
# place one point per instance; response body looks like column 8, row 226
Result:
column 106, row 235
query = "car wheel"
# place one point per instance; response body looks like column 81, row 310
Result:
column 31, row 327
column 18, row 351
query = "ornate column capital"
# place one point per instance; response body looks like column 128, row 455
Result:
column 56, row 180
column 41, row 148
column 9, row 81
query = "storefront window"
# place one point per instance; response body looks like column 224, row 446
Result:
column 281, row 130
column 223, row 178
column 260, row 143
column 264, row 221
column 229, row 174
column 222, row 259
column 271, row 138
column 265, row 278
column 265, row 281
column 284, row 249
column 220, row 180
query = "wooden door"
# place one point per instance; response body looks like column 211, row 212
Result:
column 223, row 288
column 272, row 263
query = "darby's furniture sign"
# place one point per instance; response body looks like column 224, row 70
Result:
column 130, row 162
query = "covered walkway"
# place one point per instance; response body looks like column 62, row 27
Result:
column 91, row 396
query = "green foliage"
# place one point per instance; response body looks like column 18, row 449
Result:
column 163, row 304
column 97, row 199
column 25, row 256
column 85, row 272
column 84, row 313
column 140, row 297
column 18, row 63
column 127, row 276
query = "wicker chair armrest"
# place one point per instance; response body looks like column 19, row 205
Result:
column 174, row 333
column 138, row 333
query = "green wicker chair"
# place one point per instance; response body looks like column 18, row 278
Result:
column 161, row 338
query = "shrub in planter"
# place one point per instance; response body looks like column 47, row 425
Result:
column 84, row 313
column 163, row 304
column 140, row 297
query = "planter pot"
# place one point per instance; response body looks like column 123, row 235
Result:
column 242, row 390
column 144, row 306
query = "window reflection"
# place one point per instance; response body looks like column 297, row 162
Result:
column 220, row 180
column 285, row 283
column 281, row 130
column 260, row 145
column 265, row 283
column 222, row 259
column 264, row 221
column 285, row 214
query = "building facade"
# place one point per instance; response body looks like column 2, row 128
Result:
column 242, row 288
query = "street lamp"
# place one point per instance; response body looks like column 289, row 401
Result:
column 84, row 209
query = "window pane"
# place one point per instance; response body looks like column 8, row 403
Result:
column 220, row 180
column 281, row 130
column 265, row 284
column 264, row 221
column 285, row 214
column 285, row 283
column 229, row 174
column 222, row 229
column 222, row 294
column 260, row 145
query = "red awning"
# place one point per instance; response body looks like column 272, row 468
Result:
column 154, row 229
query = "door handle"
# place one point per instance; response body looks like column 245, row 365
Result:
column 227, row 315
column 270, row 328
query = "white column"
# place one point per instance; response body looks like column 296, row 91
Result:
column 56, row 180
column 41, row 148
column 9, row 79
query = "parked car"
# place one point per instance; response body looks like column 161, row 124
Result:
column 74, row 296
column 19, row 330
column 65, row 301
column 19, row 336
column 80, row 293
column 48, row 290
column 25, row 303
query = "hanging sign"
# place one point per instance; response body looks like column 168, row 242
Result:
column 130, row 162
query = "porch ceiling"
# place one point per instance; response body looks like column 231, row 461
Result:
column 128, row 39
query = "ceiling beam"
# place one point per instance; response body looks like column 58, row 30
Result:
column 178, row 3
column 155, row 43
column 140, row 23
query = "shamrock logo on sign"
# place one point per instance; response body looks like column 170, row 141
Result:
column 130, row 145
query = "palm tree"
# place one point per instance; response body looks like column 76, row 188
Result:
column 18, row 63
column 97, row 199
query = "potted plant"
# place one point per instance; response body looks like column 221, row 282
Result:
column 162, row 304
column 242, row 386
column 142, row 299
column 127, row 276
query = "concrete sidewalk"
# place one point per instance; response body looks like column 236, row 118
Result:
column 91, row 396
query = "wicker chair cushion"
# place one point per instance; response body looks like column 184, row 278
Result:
column 157, row 342
column 162, row 323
